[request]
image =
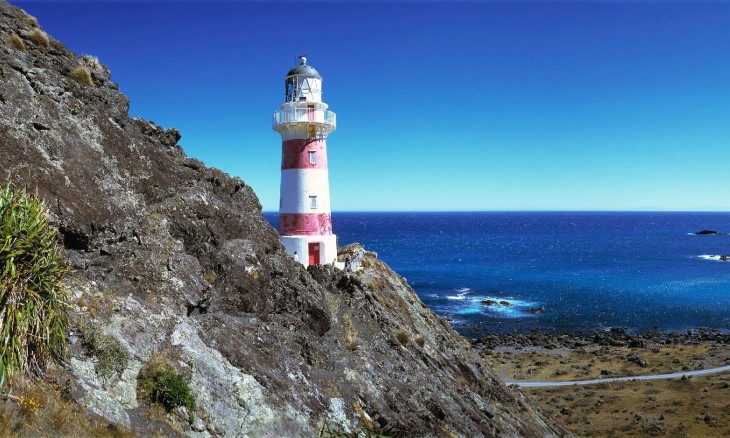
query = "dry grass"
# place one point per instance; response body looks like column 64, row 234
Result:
column 350, row 333
column 594, row 361
column 39, row 37
column 698, row 406
column 92, row 62
column 31, row 21
column 40, row 408
column 16, row 42
column 420, row 340
column 82, row 75
column 402, row 336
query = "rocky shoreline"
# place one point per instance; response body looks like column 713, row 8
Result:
column 683, row 406
column 615, row 337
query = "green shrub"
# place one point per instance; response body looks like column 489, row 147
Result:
column 161, row 384
column 33, row 315
column 82, row 75
column 16, row 42
column 110, row 355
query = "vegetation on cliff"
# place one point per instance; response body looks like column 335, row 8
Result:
column 33, row 317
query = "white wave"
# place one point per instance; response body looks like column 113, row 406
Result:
column 718, row 258
column 461, row 295
column 456, row 297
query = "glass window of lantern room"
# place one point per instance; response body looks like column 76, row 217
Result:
column 312, row 157
column 290, row 90
column 313, row 202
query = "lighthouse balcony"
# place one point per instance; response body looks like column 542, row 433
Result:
column 323, row 120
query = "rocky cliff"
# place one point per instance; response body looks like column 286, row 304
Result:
column 174, row 262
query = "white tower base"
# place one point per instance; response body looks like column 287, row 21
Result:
column 324, row 247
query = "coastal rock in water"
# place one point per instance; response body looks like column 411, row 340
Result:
column 706, row 232
column 489, row 302
column 536, row 310
column 176, row 262
column 505, row 303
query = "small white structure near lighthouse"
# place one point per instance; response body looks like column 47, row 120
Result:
column 305, row 216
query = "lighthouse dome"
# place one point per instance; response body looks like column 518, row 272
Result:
column 304, row 70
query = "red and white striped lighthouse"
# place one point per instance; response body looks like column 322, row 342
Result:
column 305, row 216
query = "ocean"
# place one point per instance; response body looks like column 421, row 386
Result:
column 555, row 271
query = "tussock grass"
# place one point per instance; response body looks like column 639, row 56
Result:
column 420, row 340
column 16, row 42
column 31, row 21
column 91, row 62
column 402, row 336
column 33, row 315
column 39, row 37
column 81, row 75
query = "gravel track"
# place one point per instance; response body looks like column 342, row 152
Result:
column 529, row 384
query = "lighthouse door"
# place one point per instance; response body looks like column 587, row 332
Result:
column 314, row 253
column 310, row 113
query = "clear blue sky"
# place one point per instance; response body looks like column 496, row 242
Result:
column 440, row 105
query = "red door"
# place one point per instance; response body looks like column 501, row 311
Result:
column 310, row 113
column 314, row 253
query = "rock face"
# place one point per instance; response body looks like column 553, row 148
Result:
column 175, row 260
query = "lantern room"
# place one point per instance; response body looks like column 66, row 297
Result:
column 303, row 83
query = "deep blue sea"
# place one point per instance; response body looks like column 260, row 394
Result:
column 590, row 271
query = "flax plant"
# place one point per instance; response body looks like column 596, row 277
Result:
column 33, row 315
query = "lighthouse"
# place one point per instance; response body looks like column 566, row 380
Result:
column 305, row 216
